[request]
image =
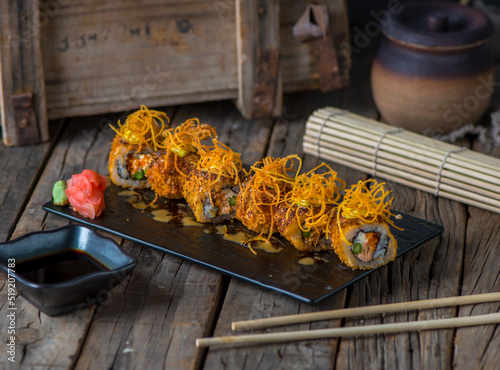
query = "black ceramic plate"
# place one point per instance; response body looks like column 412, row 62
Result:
column 281, row 272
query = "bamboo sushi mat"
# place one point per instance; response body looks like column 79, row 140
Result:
column 404, row 157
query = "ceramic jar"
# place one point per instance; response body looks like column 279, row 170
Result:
column 433, row 71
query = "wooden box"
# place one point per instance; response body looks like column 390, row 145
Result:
column 63, row 58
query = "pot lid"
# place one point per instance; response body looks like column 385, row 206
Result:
column 438, row 24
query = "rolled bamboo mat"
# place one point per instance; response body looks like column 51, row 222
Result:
column 404, row 157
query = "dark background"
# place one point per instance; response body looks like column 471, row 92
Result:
column 359, row 10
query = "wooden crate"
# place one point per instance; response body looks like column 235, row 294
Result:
column 63, row 58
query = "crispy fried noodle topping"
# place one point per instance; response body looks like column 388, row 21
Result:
column 143, row 128
column 188, row 136
column 220, row 160
column 315, row 191
column 367, row 203
column 267, row 186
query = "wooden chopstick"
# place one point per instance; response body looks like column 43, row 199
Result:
column 368, row 310
column 453, row 322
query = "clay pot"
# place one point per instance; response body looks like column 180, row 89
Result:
column 433, row 71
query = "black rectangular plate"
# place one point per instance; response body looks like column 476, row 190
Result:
column 280, row 272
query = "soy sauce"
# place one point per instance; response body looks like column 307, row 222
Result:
column 58, row 267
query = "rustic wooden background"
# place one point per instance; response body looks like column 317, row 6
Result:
column 83, row 57
column 152, row 319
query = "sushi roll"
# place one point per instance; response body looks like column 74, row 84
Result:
column 167, row 173
column 263, row 190
column 128, row 164
column 133, row 147
column 293, row 224
column 210, row 190
column 171, row 166
column 359, row 231
column 305, row 215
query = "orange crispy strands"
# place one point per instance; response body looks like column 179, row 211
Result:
column 278, row 169
column 221, row 161
column 367, row 204
column 188, row 137
column 209, row 188
column 143, row 128
column 271, row 177
column 315, row 191
column 265, row 190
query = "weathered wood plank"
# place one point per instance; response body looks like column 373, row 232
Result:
column 297, row 62
column 428, row 272
column 152, row 321
column 19, row 172
column 21, row 72
column 258, row 55
column 477, row 346
column 44, row 341
column 245, row 301
column 84, row 144
column 168, row 303
column 115, row 55
column 431, row 271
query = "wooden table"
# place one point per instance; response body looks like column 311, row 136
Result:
column 152, row 319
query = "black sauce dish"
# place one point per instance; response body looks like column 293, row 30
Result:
column 56, row 297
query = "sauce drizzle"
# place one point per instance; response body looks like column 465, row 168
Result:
column 177, row 213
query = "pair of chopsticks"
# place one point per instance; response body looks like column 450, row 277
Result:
column 453, row 322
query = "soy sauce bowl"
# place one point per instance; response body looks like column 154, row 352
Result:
column 57, row 297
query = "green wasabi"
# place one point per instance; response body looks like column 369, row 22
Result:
column 59, row 194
